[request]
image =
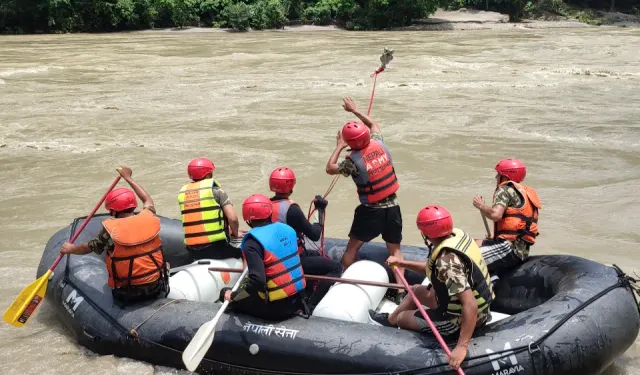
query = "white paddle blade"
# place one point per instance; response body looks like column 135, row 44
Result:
column 201, row 342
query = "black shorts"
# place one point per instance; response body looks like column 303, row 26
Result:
column 216, row 250
column 275, row 311
column 369, row 223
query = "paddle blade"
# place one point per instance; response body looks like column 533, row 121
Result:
column 27, row 301
column 201, row 342
column 199, row 345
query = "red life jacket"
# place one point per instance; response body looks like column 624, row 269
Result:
column 279, row 214
column 376, row 176
column 520, row 222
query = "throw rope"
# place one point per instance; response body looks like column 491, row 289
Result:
column 385, row 58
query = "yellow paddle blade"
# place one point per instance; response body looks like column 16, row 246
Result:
column 27, row 301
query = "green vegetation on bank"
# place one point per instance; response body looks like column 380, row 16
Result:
column 56, row 16
column 588, row 11
column 29, row 16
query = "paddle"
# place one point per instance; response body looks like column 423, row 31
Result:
column 178, row 269
column 486, row 225
column 323, row 278
column 201, row 342
column 28, row 300
column 425, row 315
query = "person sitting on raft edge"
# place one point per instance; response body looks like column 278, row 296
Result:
column 515, row 214
column 282, row 181
column 135, row 259
column 210, row 223
column 273, row 287
column 457, row 272
column 370, row 166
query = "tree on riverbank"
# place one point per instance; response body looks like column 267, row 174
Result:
column 583, row 10
column 31, row 16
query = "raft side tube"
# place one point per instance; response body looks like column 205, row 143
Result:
column 351, row 302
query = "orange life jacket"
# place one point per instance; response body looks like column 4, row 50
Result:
column 376, row 176
column 520, row 222
column 137, row 257
column 280, row 208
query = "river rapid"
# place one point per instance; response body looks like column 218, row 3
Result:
column 451, row 104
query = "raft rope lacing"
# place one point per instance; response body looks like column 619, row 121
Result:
column 385, row 58
column 533, row 347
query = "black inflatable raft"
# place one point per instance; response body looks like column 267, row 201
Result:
column 570, row 316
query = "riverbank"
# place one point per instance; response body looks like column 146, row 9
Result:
column 462, row 19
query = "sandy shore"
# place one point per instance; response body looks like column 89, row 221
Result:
column 462, row 19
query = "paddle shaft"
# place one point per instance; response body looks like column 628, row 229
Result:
column 425, row 315
column 199, row 263
column 202, row 340
column 86, row 221
column 323, row 278
column 486, row 225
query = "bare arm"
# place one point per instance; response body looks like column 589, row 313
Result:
column 350, row 106
column 492, row 213
column 332, row 164
column 420, row 267
column 126, row 173
column 79, row 249
column 232, row 219
column 469, row 317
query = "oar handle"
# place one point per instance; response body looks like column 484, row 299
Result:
column 322, row 278
column 86, row 221
column 425, row 315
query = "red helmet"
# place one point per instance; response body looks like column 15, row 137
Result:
column 256, row 207
column 200, row 167
column 356, row 134
column 282, row 180
column 513, row 169
column 120, row 199
column 435, row 222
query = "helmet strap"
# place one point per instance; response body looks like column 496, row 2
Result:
column 427, row 242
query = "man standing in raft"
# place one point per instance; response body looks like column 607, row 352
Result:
column 460, row 294
column 515, row 213
column 273, row 286
column 135, row 261
column 281, row 181
column 210, row 223
column 371, row 167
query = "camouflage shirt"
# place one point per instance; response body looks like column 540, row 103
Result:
column 221, row 197
column 452, row 272
column 348, row 168
column 508, row 196
column 103, row 242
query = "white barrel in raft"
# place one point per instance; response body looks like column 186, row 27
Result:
column 197, row 283
column 350, row 302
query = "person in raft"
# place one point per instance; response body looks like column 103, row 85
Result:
column 515, row 214
column 273, row 287
column 460, row 292
column 371, row 167
column 209, row 221
column 134, row 257
column 281, row 182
